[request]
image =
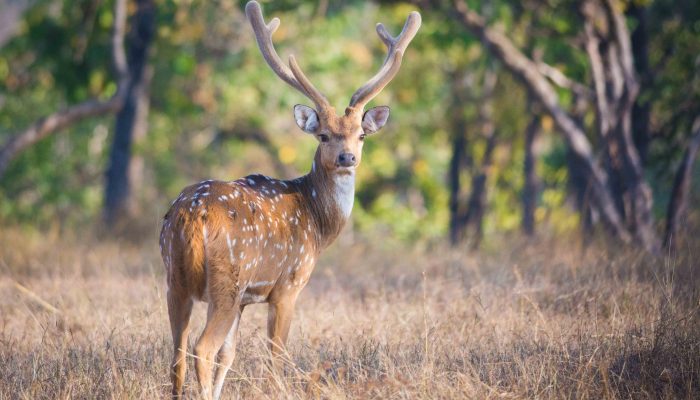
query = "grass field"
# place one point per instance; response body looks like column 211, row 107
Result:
column 80, row 318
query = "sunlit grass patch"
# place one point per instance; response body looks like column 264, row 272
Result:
column 547, row 320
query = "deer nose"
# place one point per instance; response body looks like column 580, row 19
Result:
column 347, row 160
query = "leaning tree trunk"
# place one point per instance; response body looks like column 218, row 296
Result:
column 681, row 187
column 609, row 49
column 530, row 73
column 130, row 119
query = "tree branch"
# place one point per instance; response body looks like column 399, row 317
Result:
column 560, row 79
column 52, row 123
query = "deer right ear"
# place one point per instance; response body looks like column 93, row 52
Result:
column 374, row 119
column 306, row 118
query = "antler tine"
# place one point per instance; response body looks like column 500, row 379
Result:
column 396, row 46
column 375, row 85
column 263, row 36
column 311, row 91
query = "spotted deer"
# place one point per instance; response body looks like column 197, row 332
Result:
column 257, row 239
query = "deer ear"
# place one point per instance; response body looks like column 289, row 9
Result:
column 374, row 119
column 306, row 118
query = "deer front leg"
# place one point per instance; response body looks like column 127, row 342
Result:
column 279, row 319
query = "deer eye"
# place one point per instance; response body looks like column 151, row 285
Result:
column 362, row 137
column 324, row 138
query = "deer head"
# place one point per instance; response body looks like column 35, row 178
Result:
column 340, row 137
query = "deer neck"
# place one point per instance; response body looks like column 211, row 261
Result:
column 329, row 198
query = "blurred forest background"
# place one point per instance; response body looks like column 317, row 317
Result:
column 548, row 118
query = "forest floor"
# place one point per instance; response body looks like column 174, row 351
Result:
column 80, row 318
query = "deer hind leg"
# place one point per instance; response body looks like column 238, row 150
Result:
column 179, row 311
column 227, row 352
column 223, row 308
column 279, row 319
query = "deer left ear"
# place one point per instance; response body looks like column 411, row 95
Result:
column 306, row 118
column 374, row 119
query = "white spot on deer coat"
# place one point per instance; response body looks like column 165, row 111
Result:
column 230, row 247
column 249, row 298
column 261, row 283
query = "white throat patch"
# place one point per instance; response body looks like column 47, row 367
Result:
column 344, row 194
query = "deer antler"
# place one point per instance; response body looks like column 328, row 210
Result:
column 295, row 77
column 395, row 49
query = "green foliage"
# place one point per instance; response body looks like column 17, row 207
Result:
column 209, row 78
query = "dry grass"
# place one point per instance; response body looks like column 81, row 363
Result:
column 543, row 321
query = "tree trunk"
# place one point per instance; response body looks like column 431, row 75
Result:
column 609, row 49
column 681, row 187
column 640, row 48
column 459, row 159
column 476, row 206
column 137, row 165
column 580, row 188
column 527, row 71
column 130, row 118
column 578, row 185
column 456, row 162
column 530, row 186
